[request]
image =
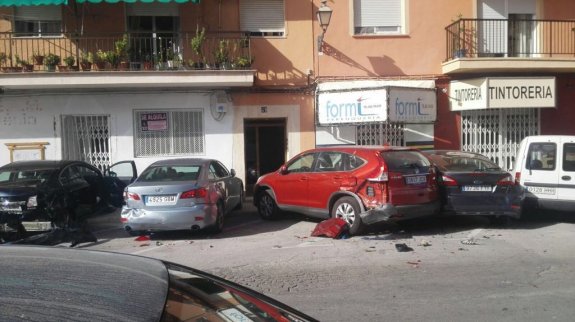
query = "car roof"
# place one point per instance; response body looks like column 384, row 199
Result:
column 458, row 153
column 352, row 148
column 37, row 164
column 182, row 161
column 49, row 283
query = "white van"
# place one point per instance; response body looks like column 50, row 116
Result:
column 545, row 167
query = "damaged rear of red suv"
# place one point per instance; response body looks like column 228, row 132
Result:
column 363, row 185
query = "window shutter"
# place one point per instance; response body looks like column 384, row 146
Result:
column 262, row 15
column 38, row 13
column 157, row 9
column 377, row 13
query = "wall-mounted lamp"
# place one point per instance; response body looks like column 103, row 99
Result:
column 323, row 16
column 444, row 91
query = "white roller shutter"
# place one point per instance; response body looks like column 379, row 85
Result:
column 262, row 15
column 156, row 9
column 492, row 34
column 377, row 13
column 38, row 13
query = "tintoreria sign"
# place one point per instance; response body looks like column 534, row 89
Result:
column 396, row 104
column 502, row 92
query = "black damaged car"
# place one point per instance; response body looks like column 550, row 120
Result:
column 38, row 196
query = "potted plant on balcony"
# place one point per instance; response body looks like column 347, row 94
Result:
column 113, row 59
column 121, row 50
column 242, row 62
column 100, row 59
column 51, row 61
column 24, row 64
column 86, row 61
column 38, row 58
column 222, row 55
column 197, row 43
column 68, row 64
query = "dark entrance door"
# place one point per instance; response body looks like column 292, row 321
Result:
column 265, row 148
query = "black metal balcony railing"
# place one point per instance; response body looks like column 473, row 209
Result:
column 475, row 38
column 126, row 51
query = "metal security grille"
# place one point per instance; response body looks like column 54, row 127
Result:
column 380, row 134
column 496, row 133
column 184, row 135
column 87, row 138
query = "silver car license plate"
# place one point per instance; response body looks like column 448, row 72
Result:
column 541, row 190
column 161, row 200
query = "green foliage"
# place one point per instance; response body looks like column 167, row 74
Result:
column 197, row 41
column 121, row 48
column 87, row 57
column 242, row 62
column 222, row 54
column 113, row 58
column 51, row 60
column 101, row 56
column 3, row 58
column 69, row 61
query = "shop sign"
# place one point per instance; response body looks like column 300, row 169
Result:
column 500, row 92
column 412, row 105
column 157, row 121
column 359, row 106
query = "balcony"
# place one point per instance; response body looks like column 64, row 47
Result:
column 509, row 45
column 125, row 60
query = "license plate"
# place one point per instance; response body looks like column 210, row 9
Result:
column 541, row 190
column 37, row 225
column 476, row 188
column 161, row 200
column 416, row 179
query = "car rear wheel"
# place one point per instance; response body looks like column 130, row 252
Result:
column 267, row 207
column 348, row 209
column 219, row 225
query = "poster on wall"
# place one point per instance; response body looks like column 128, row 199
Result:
column 157, row 121
column 412, row 105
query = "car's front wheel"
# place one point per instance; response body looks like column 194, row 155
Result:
column 348, row 209
column 267, row 207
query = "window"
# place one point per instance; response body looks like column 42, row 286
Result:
column 262, row 17
column 541, row 156
column 302, row 164
column 569, row 157
column 217, row 171
column 169, row 132
column 38, row 21
column 379, row 17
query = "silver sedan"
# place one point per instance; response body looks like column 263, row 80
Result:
column 181, row 194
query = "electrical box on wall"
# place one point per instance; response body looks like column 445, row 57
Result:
column 222, row 102
column 221, row 107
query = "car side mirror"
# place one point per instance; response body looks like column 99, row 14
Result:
column 233, row 172
column 283, row 169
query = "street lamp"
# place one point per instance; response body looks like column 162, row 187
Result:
column 323, row 16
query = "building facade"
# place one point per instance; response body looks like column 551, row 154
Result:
column 254, row 82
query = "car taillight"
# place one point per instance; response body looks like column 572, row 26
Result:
column 382, row 176
column 131, row 195
column 517, row 177
column 507, row 181
column 448, row 181
column 196, row 193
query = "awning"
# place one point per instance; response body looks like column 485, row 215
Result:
column 7, row 3
column 132, row 1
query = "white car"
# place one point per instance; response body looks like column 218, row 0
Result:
column 545, row 168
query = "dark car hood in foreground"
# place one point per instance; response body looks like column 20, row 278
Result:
column 59, row 284
column 18, row 189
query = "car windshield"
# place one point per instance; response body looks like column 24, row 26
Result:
column 196, row 298
column 170, row 173
column 25, row 175
column 463, row 163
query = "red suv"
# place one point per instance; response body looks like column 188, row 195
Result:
column 360, row 184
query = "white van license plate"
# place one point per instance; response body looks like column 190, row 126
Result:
column 161, row 200
column 476, row 188
column 541, row 190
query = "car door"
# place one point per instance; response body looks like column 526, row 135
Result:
column 292, row 187
column 222, row 179
column 566, row 186
column 540, row 176
column 80, row 186
column 326, row 178
column 124, row 170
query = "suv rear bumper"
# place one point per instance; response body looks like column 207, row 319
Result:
column 390, row 212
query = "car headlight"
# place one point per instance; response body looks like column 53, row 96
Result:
column 32, row 202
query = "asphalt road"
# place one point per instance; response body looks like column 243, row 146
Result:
column 460, row 269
